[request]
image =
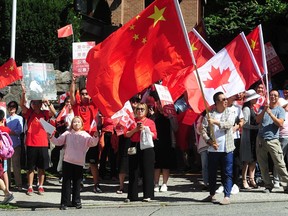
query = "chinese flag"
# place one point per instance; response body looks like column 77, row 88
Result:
column 149, row 47
column 8, row 73
column 256, row 42
column 202, row 53
column 232, row 70
column 65, row 31
column 190, row 117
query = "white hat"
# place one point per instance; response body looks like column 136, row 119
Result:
column 282, row 102
column 250, row 95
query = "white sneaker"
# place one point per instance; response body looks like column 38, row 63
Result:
column 276, row 184
column 220, row 190
column 156, row 188
column 163, row 188
column 235, row 189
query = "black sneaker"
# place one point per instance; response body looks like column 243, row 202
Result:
column 78, row 205
column 267, row 190
column 97, row 189
column 63, row 207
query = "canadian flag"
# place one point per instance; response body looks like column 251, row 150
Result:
column 62, row 97
column 232, row 70
column 202, row 53
column 123, row 119
column 256, row 42
column 62, row 114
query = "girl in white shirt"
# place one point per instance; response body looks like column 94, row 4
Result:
column 76, row 143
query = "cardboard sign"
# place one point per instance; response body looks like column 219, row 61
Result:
column 274, row 63
column 39, row 81
column 166, row 100
column 80, row 50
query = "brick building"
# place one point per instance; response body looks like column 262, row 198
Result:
column 127, row 9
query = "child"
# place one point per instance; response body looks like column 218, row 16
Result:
column 77, row 142
column 4, row 181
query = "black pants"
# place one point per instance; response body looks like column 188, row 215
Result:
column 144, row 160
column 71, row 173
column 108, row 151
column 237, row 162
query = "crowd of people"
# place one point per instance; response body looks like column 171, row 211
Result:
column 237, row 136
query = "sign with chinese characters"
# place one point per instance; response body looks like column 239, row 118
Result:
column 274, row 63
column 166, row 100
column 39, row 81
column 80, row 50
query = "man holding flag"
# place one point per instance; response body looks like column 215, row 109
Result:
column 221, row 146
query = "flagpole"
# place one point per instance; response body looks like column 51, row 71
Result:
column 13, row 29
column 264, row 62
column 177, row 6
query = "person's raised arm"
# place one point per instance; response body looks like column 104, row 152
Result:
column 23, row 99
column 50, row 106
column 72, row 91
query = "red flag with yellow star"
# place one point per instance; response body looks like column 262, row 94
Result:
column 8, row 73
column 149, row 47
column 202, row 53
column 256, row 42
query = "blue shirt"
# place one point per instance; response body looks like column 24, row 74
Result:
column 15, row 123
column 268, row 129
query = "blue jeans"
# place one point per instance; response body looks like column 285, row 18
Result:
column 226, row 163
column 204, row 163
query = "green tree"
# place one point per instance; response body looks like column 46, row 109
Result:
column 225, row 19
column 36, row 31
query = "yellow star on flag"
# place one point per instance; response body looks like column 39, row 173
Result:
column 144, row 40
column 157, row 15
column 253, row 44
column 11, row 68
column 132, row 27
column 136, row 37
column 193, row 47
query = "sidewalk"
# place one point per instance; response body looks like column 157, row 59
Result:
column 182, row 190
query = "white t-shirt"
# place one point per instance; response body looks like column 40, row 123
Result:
column 219, row 136
column 237, row 111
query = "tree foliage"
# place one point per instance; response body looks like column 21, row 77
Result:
column 225, row 19
column 36, row 31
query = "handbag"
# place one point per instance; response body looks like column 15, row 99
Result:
column 132, row 151
column 146, row 140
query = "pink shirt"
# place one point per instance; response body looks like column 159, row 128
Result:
column 284, row 130
column 76, row 144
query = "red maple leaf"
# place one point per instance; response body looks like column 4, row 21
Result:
column 218, row 79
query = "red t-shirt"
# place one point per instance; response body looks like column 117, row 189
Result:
column 5, row 129
column 146, row 122
column 87, row 112
column 36, row 136
column 107, row 125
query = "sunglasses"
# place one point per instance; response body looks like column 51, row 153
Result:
column 84, row 93
column 224, row 99
column 140, row 109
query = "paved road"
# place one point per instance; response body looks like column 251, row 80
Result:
column 183, row 197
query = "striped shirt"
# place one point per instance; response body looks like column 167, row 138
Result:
column 226, row 123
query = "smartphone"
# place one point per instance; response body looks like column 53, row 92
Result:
column 139, row 124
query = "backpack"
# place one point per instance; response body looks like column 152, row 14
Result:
column 7, row 150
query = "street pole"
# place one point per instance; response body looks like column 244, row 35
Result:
column 13, row 29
